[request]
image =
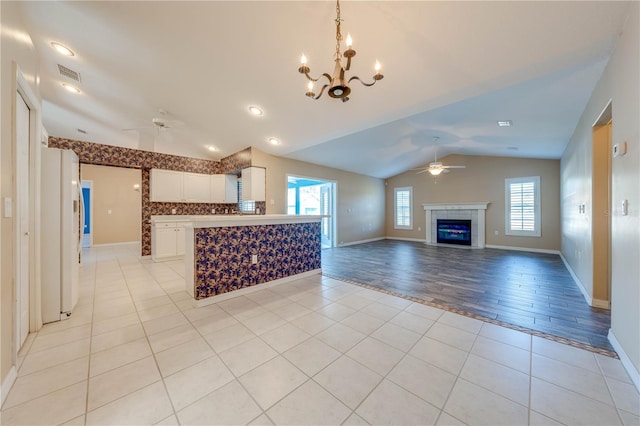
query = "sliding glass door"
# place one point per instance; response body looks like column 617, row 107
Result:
column 309, row 196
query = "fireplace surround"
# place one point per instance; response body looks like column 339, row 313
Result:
column 475, row 212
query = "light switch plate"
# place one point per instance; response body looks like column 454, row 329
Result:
column 620, row 149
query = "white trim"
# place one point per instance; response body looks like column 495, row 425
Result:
column 536, row 207
column 395, row 207
column 353, row 243
column 235, row 293
column 124, row 243
column 586, row 295
column 535, row 250
column 633, row 373
column 7, row 383
column 417, row 240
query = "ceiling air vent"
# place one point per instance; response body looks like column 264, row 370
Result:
column 69, row 73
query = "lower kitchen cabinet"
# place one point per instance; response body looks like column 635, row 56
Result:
column 167, row 240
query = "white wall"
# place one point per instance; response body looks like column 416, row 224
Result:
column 619, row 84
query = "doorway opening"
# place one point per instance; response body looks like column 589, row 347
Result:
column 87, row 226
column 310, row 196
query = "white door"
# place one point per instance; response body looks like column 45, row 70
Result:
column 22, row 219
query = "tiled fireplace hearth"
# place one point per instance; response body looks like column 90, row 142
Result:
column 465, row 211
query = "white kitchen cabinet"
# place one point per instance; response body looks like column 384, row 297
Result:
column 166, row 185
column 253, row 184
column 180, row 187
column 168, row 240
column 195, row 188
column 224, row 189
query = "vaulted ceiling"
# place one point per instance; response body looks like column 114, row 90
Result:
column 452, row 70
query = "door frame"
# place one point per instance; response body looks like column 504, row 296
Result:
column 334, row 201
column 21, row 87
column 89, row 185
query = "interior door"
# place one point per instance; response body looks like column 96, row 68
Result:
column 22, row 218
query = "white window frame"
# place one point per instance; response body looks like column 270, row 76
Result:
column 395, row 207
column 507, row 206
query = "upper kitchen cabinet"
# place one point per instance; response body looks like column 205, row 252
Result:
column 181, row 187
column 166, row 185
column 253, row 184
column 195, row 188
column 224, row 189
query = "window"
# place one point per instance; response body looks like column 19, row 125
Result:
column 403, row 206
column 244, row 206
column 522, row 206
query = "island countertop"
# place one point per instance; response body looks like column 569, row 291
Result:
column 229, row 255
column 220, row 221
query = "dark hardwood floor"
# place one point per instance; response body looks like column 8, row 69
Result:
column 530, row 290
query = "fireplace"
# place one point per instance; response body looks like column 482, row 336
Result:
column 454, row 231
column 475, row 212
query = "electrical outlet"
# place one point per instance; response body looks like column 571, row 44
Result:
column 109, row 211
column 254, row 259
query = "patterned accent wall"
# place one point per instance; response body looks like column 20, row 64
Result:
column 108, row 155
column 223, row 255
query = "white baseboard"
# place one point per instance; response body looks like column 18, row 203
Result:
column 417, row 240
column 634, row 374
column 126, row 243
column 585, row 294
column 353, row 243
column 253, row 288
column 7, row 383
column 534, row 250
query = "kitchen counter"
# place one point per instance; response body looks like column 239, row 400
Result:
column 228, row 255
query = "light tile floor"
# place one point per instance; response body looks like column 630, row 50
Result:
column 313, row 351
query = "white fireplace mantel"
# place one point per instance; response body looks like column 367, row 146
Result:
column 475, row 211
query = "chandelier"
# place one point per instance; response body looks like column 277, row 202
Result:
column 337, row 83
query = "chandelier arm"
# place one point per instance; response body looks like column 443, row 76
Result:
column 321, row 91
column 324, row 74
column 355, row 77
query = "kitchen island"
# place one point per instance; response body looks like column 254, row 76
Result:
column 226, row 256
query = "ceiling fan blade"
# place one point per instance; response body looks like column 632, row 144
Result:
column 422, row 171
column 454, row 167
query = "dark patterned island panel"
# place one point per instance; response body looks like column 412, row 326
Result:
column 234, row 253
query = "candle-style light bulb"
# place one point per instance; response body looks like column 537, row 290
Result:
column 349, row 41
column 310, row 86
column 303, row 59
column 377, row 67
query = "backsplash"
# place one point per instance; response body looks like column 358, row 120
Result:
column 115, row 156
column 223, row 255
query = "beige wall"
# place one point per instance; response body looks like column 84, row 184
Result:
column 360, row 199
column 17, row 48
column 618, row 84
column 113, row 191
column 483, row 180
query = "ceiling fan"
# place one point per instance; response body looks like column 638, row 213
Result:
column 151, row 133
column 436, row 167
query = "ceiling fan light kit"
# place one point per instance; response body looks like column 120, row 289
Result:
column 338, row 85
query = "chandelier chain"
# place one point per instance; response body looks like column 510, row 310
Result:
column 338, row 33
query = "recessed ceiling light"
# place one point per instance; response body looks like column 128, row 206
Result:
column 62, row 49
column 505, row 123
column 212, row 148
column 273, row 141
column 254, row 110
column 70, row 88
